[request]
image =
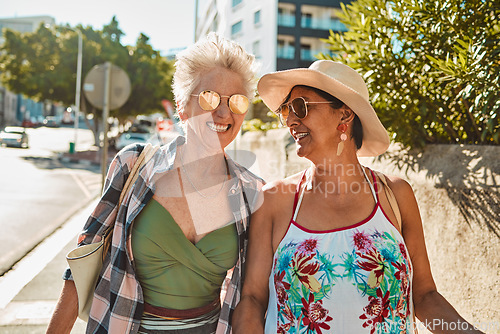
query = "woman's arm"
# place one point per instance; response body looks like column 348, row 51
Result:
column 249, row 315
column 66, row 310
column 431, row 308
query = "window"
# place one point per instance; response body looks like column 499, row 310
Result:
column 256, row 17
column 306, row 53
column 285, row 49
column 336, row 25
column 306, row 20
column 236, row 28
column 256, row 49
column 236, row 2
column 286, row 15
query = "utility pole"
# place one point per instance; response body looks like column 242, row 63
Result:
column 105, row 115
column 78, row 86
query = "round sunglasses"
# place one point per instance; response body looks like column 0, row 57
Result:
column 210, row 100
column 298, row 107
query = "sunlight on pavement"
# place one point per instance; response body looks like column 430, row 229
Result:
column 26, row 269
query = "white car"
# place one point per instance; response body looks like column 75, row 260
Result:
column 14, row 136
column 127, row 138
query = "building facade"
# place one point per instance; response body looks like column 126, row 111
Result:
column 14, row 109
column 8, row 107
column 24, row 24
column 281, row 34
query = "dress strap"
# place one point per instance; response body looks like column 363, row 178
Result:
column 298, row 199
column 374, row 192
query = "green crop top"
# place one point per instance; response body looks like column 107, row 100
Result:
column 173, row 272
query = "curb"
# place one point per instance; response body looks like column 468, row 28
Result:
column 10, row 262
column 66, row 159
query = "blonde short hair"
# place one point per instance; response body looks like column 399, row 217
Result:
column 203, row 56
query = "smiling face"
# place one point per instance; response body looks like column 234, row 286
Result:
column 216, row 129
column 316, row 134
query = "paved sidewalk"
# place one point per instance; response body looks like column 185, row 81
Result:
column 29, row 291
column 36, row 282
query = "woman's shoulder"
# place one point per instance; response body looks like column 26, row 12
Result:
column 401, row 188
column 398, row 185
column 130, row 153
column 284, row 186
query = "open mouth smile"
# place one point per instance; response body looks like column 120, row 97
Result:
column 300, row 135
column 218, row 127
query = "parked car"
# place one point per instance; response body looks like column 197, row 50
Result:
column 127, row 138
column 28, row 123
column 51, row 122
column 14, row 136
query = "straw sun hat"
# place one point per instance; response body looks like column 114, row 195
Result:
column 338, row 80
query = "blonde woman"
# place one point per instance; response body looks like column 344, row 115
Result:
column 183, row 225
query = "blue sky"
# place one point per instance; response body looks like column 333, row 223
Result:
column 168, row 23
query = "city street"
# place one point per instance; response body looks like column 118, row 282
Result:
column 38, row 192
column 44, row 202
column 41, row 201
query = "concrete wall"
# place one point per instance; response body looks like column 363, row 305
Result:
column 457, row 188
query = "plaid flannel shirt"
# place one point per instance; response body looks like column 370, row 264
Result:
column 118, row 301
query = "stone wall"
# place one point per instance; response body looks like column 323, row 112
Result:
column 458, row 191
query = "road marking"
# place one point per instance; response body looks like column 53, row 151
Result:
column 80, row 184
column 33, row 313
column 13, row 281
column 36, row 312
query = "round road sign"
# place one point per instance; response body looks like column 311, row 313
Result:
column 119, row 86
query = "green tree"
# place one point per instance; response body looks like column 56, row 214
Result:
column 151, row 78
column 42, row 66
column 432, row 67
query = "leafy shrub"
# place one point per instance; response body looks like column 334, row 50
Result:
column 432, row 67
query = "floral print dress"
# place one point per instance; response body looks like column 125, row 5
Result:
column 355, row 279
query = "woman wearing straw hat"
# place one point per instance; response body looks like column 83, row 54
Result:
column 331, row 250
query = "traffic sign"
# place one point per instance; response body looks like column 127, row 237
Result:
column 119, row 86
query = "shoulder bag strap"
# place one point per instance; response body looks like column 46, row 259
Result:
column 147, row 153
column 392, row 199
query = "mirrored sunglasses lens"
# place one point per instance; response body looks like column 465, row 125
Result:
column 283, row 112
column 208, row 100
column 299, row 107
column 238, row 104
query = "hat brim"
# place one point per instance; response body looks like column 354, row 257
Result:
column 274, row 88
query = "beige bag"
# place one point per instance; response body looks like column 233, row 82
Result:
column 86, row 261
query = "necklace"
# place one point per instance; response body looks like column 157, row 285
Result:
column 194, row 187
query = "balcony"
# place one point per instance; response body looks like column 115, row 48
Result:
column 286, row 20
column 286, row 52
column 324, row 24
column 309, row 55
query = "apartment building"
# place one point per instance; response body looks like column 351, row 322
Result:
column 24, row 24
column 281, row 34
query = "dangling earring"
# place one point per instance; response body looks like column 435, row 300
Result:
column 343, row 137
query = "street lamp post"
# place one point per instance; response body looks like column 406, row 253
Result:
column 78, row 84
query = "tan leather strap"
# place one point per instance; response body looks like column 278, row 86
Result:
column 392, row 199
column 146, row 155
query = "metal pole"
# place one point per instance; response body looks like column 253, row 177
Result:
column 105, row 114
column 78, row 85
